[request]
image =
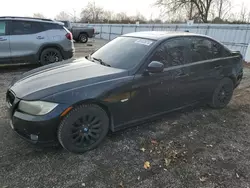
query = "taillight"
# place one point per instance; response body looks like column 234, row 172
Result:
column 69, row 36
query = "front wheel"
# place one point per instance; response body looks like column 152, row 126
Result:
column 84, row 128
column 222, row 94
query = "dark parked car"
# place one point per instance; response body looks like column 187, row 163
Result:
column 80, row 34
column 131, row 79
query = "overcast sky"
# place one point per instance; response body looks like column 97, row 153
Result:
column 50, row 8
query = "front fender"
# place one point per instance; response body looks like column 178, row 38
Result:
column 99, row 91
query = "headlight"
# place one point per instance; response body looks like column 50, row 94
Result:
column 36, row 107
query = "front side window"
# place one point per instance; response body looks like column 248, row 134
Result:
column 2, row 28
column 25, row 27
column 171, row 53
column 124, row 52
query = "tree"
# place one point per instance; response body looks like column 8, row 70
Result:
column 243, row 13
column 63, row 16
column 121, row 16
column 155, row 21
column 139, row 17
column 92, row 13
column 201, row 6
column 248, row 18
column 222, row 8
column 38, row 15
column 107, row 16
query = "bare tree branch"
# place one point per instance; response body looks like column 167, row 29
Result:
column 222, row 8
column 38, row 15
column 63, row 16
column 202, row 7
column 92, row 13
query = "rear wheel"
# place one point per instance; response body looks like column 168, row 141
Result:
column 84, row 128
column 222, row 94
column 50, row 55
column 83, row 38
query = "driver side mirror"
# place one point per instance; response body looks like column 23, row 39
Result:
column 155, row 67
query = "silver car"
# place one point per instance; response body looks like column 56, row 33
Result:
column 32, row 40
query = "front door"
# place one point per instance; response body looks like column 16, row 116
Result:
column 4, row 43
column 161, row 92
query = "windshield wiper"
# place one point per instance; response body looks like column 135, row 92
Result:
column 101, row 62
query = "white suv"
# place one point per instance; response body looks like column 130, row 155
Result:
column 33, row 40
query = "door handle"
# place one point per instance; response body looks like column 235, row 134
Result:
column 182, row 75
column 217, row 67
column 3, row 39
column 40, row 37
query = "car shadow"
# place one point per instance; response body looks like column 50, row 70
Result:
column 15, row 68
column 131, row 131
column 171, row 116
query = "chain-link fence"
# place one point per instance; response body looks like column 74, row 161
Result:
column 235, row 37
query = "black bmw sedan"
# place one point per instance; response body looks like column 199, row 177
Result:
column 131, row 79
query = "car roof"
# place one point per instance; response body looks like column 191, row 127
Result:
column 160, row 35
column 28, row 19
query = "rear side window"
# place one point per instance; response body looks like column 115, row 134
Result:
column 205, row 49
column 25, row 27
column 50, row 26
column 171, row 53
column 2, row 28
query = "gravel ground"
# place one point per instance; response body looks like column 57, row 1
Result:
column 196, row 147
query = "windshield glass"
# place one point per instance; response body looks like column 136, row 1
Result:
column 123, row 52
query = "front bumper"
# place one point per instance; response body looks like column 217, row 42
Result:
column 35, row 129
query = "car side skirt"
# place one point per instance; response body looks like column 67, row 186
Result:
column 152, row 117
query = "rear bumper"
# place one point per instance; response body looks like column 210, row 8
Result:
column 96, row 33
column 68, row 54
column 238, row 79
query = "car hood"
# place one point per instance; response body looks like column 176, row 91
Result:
column 51, row 79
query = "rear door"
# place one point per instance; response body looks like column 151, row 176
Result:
column 26, row 37
column 56, row 35
column 4, row 43
column 206, row 63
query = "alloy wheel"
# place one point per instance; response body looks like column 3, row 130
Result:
column 51, row 57
column 86, row 130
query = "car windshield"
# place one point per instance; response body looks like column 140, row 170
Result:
column 123, row 52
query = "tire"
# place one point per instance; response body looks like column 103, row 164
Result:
column 83, row 38
column 222, row 94
column 83, row 129
column 50, row 55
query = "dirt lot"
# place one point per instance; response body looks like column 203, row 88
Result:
column 197, row 147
